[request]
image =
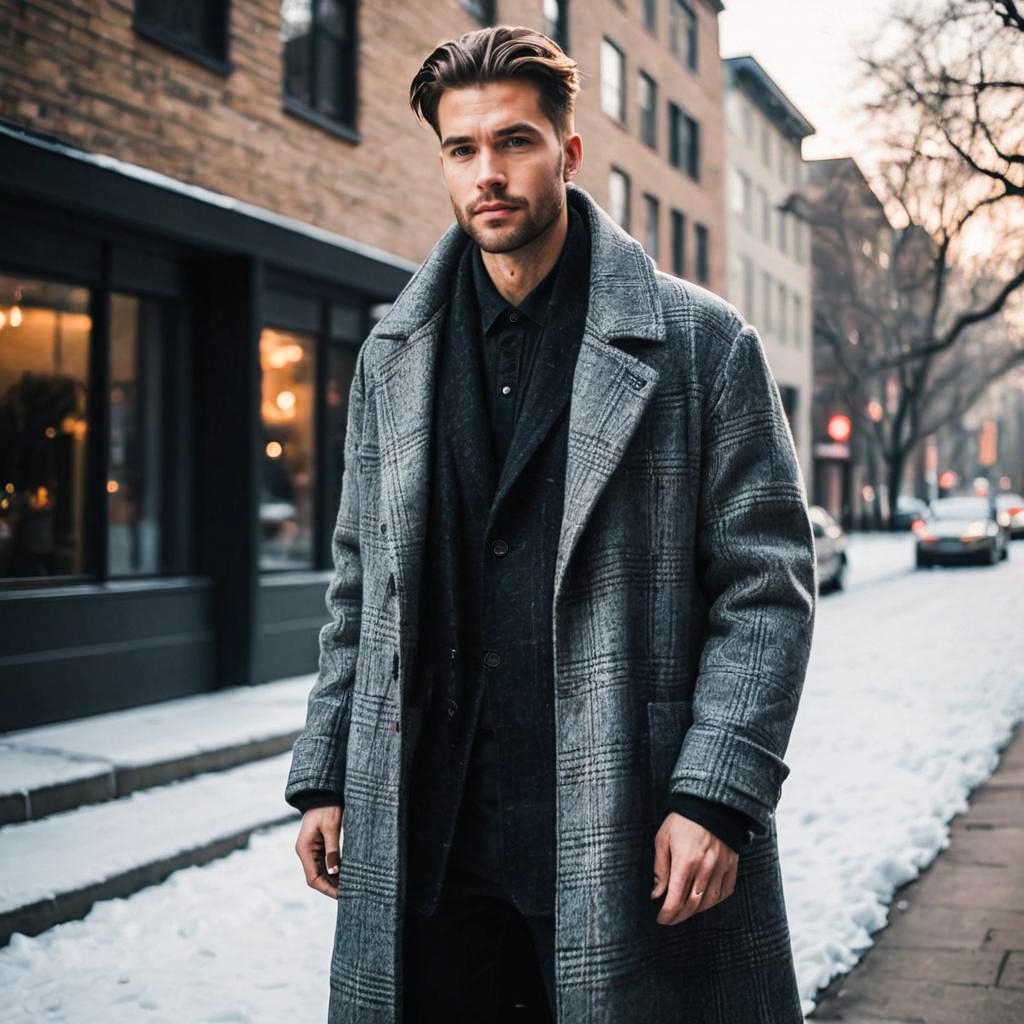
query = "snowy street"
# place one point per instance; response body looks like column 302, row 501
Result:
column 915, row 680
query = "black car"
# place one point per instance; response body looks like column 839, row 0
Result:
column 963, row 528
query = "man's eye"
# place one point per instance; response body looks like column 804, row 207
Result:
column 518, row 138
column 455, row 150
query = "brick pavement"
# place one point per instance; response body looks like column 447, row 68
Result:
column 954, row 953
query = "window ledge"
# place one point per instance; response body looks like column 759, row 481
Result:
column 222, row 67
column 300, row 110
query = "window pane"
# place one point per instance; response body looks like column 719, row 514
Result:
column 286, row 521
column 618, row 198
column 296, row 43
column 703, row 256
column 334, row 53
column 611, row 81
column 135, row 480
column 198, row 24
column 45, row 337
column 678, row 244
column 648, row 91
column 651, row 217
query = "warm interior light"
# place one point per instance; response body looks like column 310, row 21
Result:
column 274, row 449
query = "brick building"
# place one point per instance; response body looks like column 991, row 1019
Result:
column 206, row 205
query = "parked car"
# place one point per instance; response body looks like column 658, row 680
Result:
column 1013, row 506
column 908, row 511
column 829, row 548
column 962, row 528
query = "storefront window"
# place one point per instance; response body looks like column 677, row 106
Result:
column 45, row 337
column 287, row 416
column 135, row 482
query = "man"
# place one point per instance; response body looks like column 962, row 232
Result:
column 572, row 609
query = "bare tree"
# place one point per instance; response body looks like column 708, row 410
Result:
column 1010, row 15
column 918, row 319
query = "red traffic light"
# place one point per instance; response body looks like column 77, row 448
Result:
column 839, row 427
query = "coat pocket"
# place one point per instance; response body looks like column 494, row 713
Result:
column 667, row 723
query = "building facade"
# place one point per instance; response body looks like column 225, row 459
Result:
column 207, row 204
column 767, row 245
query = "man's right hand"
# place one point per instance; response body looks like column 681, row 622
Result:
column 318, row 848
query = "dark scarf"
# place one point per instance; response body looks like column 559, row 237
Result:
column 473, row 502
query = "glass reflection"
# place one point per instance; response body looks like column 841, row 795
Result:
column 286, row 413
column 45, row 334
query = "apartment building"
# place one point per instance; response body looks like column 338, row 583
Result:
column 767, row 246
column 207, row 204
column 653, row 137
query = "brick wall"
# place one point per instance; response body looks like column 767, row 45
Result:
column 78, row 71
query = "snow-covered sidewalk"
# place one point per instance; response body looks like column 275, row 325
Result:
column 915, row 681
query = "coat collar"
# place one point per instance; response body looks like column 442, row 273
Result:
column 624, row 299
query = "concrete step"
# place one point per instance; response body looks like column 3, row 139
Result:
column 54, row 869
column 59, row 767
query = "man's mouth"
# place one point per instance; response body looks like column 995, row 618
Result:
column 494, row 208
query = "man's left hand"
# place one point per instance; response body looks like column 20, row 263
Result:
column 696, row 867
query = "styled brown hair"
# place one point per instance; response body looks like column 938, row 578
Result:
column 497, row 54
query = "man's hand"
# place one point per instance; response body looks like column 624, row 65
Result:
column 318, row 848
column 698, row 869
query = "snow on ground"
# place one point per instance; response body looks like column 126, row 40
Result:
column 914, row 684
column 237, row 941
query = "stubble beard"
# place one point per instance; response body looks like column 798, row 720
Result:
column 535, row 218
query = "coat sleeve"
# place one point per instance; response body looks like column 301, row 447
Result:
column 756, row 567
column 319, row 753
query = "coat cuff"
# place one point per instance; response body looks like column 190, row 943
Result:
column 726, row 823
column 306, row 799
column 753, row 783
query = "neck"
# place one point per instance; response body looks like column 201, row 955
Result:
column 515, row 274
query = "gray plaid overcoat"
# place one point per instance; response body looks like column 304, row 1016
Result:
column 684, row 601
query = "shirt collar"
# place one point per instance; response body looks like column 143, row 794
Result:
column 534, row 306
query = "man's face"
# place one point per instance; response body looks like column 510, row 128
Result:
column 498, row 148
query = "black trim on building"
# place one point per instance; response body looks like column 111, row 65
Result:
column 221, row 273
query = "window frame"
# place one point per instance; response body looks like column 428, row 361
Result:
column 607, row 46
column 702, row 252
column 214, row 59
column 345, row 129
column 649, row 114
column 613, row 171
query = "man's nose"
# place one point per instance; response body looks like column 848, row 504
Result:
column 490, row 170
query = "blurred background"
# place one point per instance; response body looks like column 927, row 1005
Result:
column 207, row 204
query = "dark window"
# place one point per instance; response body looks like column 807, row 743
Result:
column 556, row 22
column 198, row 28
column 684, row 141
column 678, row 243
column 618, row 197
column 648, row 96
column 682, row 32
column 320, row 59
column 703, row 256
column 482, row 10
column 651, row 14
column 652, row 216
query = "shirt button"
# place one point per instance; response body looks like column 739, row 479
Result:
column 514, row 317
column 452, row 708
column 506, row 389
column 500, row 548
column 492, row 659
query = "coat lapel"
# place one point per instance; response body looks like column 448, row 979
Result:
column 610, row 389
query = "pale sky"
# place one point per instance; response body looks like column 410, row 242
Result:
column 807, row 48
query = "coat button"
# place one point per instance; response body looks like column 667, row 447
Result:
column 500, row 548
column 452, row 708
column 492, row 659
column 383, row 527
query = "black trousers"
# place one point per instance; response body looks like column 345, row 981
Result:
column 477, row 957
